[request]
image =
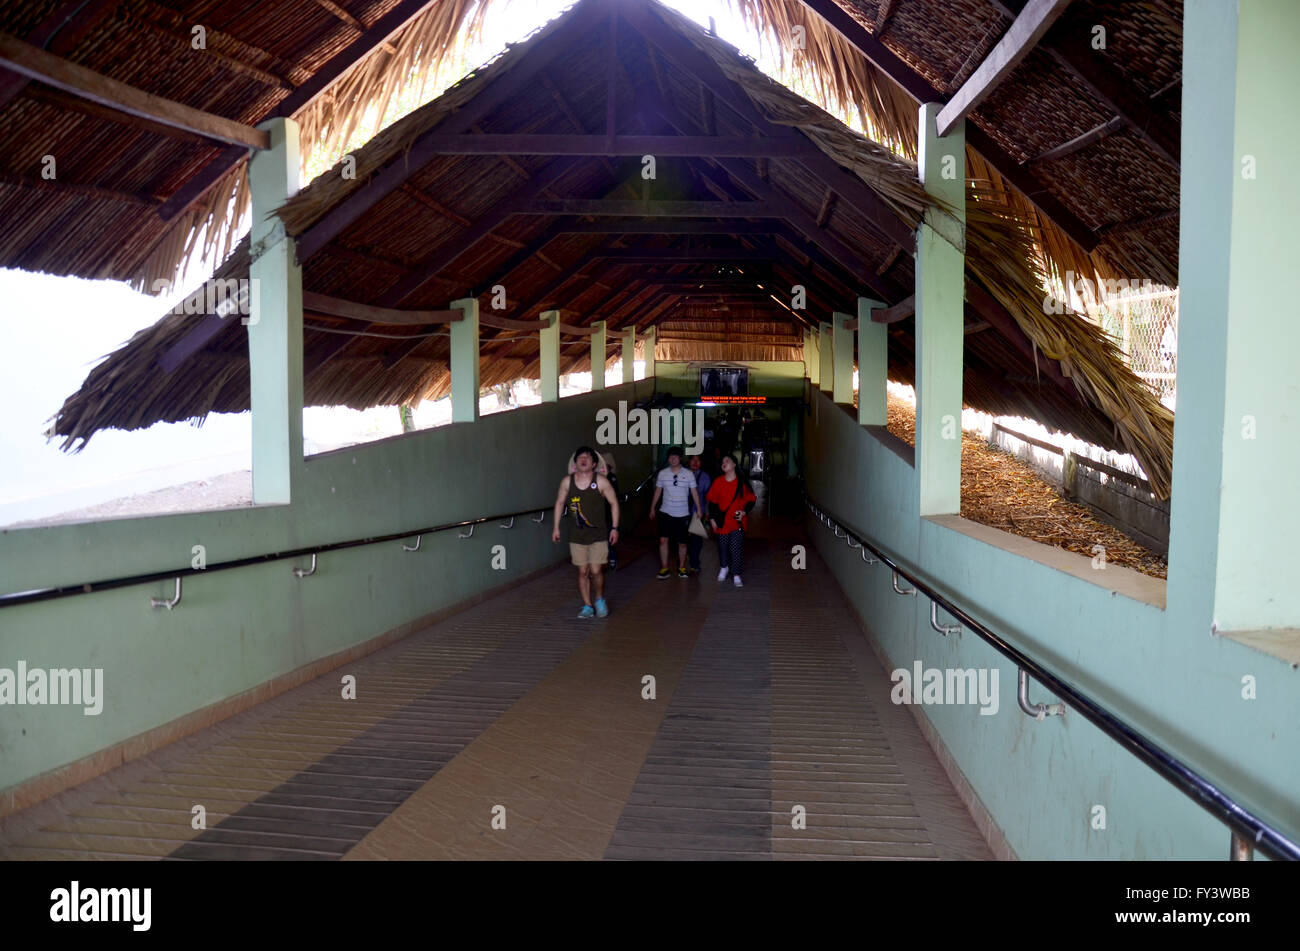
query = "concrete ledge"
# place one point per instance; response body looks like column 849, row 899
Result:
column 1282, row 642
column 1115, row 579
column 38, row 788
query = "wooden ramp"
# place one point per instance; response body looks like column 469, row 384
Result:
column 517, row 731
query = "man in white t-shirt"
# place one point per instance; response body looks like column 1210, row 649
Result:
column 676, row 486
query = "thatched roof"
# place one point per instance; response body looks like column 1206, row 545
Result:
column 1090, row 120
column 450, row 230
column 145, row 197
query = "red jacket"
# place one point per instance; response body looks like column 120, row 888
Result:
column 726, row 497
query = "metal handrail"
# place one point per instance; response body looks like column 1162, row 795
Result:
column 92, row 587
column 1248, row 829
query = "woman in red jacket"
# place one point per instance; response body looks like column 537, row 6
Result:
column 730, row 502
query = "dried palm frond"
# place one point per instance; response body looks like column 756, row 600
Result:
column 848, row 82
column 351, row 110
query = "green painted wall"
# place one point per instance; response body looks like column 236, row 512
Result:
column 237, row 629
column 1158, row 669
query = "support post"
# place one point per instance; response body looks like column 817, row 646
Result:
column 1234, row 520
column 629, row 354
column 940, row 292
column 464, row 362
column 842, row 362
column 550, row 356
column 598, row 356
column 275, row 321
column 873, row 365
column 826, row 354
column 651, row 337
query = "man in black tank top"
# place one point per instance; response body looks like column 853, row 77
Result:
column 582, row 496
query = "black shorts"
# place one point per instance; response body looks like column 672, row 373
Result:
column 675, row 528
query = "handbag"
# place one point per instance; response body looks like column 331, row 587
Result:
column 697, row 527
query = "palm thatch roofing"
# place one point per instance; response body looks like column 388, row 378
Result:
column 1088, row 123
column 147, row 197
column 419, row 226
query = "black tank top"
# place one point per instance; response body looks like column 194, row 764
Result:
column 586, row 510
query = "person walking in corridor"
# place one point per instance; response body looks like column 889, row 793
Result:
column 676, row 485
column 583, row 495
column 695, row 543
column 730, row 502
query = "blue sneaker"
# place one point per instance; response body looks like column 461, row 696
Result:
column 602, row 609
column 587, row 611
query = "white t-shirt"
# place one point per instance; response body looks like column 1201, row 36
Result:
column 677, row 490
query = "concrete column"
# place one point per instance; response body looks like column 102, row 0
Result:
column 940, row 291
column 629, row 354
column 648, row 344
column 464, row 362
column 873, row 365
column 826, row 354
column 812, row 356
column 598, row 356
column 842, row 362
column 1234, row 518
column 275, row 321
column 550, row 358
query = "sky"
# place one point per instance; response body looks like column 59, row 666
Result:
column 53, row 330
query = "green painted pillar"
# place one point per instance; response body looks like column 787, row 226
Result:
column 629, row 354
column 275, row 321
column 873, row 365
column 812, row 356
column 940, row 292
column 842, row 361
column 550, row 358
column 826, row 354
column 1234, row 519
column 598, row 356
column 464, row 362
column 648, row 348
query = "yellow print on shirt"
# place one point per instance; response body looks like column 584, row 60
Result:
column 575, row 509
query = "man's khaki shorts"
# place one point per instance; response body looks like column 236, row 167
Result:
column 597, row 553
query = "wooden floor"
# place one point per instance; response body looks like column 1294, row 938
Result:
column 767, row 707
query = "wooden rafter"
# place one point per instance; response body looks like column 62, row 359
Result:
column 1069, row 45
column 921, row 91
column 60, row 73
column 1025, row 32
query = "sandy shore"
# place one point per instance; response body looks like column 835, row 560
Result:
column 223, row 491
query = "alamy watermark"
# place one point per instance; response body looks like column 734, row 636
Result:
column 77, row 904
column 1109, row 292
column 55, row 686
column 639, row 427
column 935, row 686
column 219, row 296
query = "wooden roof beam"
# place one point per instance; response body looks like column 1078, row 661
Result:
column 614, row 207
column 1026, row 30
column 505, row 144
column 377, row 35
column 59, row 33
column 426, row 269
column 369, row 313
column 669, row 227
column 1080, row 141
column 851, row 188
column 342, row 15
column 536, row 57
column 63, row 100
column 919, row 88
column 60, row 73
column 1069, row 44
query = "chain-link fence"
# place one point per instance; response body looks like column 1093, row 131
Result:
column 1144, row 325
